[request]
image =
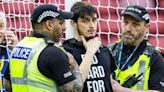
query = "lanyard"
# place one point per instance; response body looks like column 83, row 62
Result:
column 128, row 59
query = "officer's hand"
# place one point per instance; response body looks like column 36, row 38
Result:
column 72, row 61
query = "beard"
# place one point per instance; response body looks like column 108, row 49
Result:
column 56, row 35
column 86, row 38
column 133, row 39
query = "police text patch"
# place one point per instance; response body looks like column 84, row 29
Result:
column 21, row 52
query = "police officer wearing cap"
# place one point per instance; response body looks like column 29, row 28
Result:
column 139, row 65
column 36, row 64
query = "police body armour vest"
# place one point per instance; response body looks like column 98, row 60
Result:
column 25, row 76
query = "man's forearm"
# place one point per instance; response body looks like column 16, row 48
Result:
column 118, row 88
column 131, row 90
column 75, row 85
column 86, row 64
column 78, row 83
column 7, row 86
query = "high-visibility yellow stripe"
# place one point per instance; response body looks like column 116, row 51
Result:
column 2, row 63
column 1, row 66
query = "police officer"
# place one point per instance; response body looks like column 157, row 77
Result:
column 139, row 65
column 39, row 66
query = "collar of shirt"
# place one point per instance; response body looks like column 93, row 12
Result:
column 74, row 42
column 47, row 39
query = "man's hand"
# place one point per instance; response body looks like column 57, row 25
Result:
column 7, row 85
column 116, row 86
column 92, row 45
column 11, row 39
column 71, row 60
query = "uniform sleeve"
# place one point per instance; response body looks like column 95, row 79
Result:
column 53, row 63
column 156, row 79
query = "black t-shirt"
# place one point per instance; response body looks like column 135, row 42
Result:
column 98, row 79
column 156, row 78
column 53, row 63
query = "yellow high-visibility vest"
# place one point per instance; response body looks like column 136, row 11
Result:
column 141, row 65
column 25, row 76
